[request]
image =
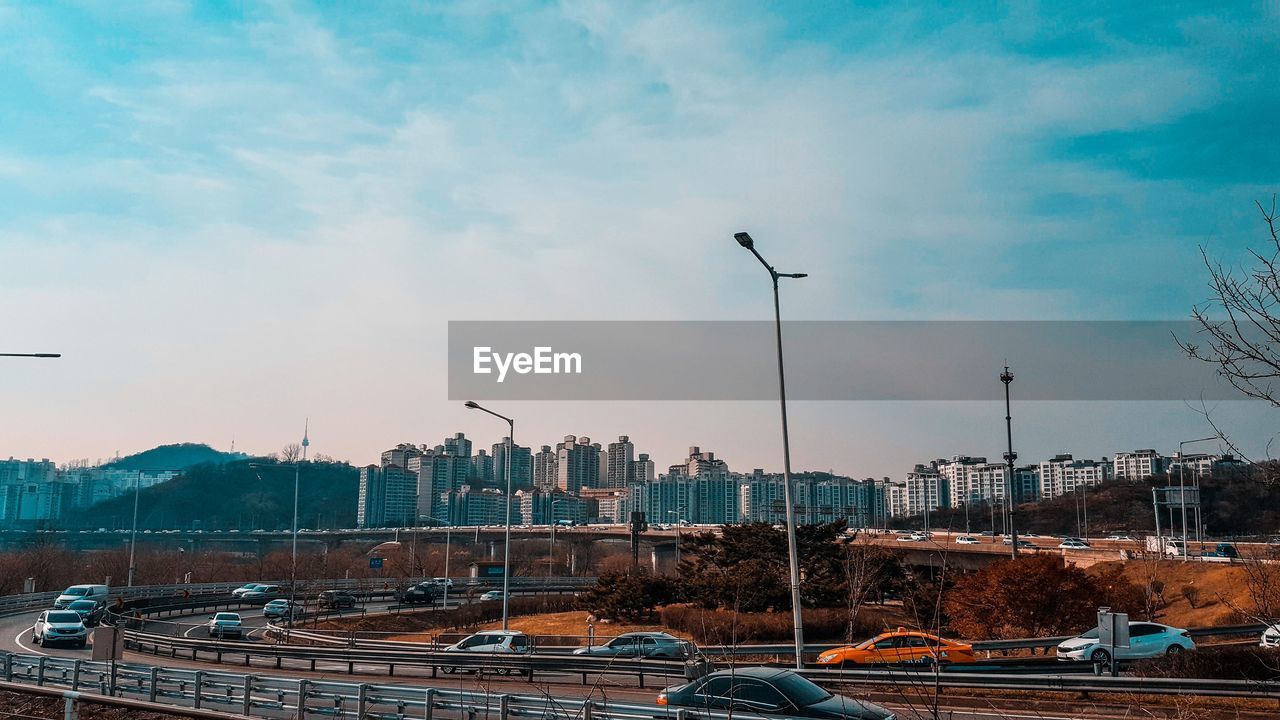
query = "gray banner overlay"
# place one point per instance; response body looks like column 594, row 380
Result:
column 828, row 360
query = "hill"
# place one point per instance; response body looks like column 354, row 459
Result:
column 174, row 457
column 234, row 496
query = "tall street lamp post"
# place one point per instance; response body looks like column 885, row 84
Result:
column 1182, row 488
column 133, row 535
column 1006, row 377
column 793, row 555
column 679, row 513
column 551, row 521
column 448, row 529
column 506, row 552
column 293, row 563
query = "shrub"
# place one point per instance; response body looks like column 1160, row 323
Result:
column 723, row 627
column 626, row 596
column 1192, row 595
column 1218, row 663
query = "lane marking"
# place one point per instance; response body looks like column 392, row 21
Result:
column 18, row 640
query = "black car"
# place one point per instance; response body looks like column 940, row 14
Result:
column 424, row 593
column 337, row 600
column 90, row 611
column 768, row 692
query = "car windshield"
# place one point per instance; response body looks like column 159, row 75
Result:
column 223, row 617
column 83, row 605
column 1089, row 634
column 63, row 617
column 868, row 643
column 76, row 591
column 799, row 690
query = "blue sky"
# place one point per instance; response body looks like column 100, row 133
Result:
column 230, row 216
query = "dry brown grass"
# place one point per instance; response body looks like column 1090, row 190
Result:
column 1222, row 590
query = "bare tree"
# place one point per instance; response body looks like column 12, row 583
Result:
column 291, row 453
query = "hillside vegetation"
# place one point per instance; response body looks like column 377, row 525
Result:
column 179, row 456
column 232, row 495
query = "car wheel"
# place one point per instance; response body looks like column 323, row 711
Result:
column 448, row 670
column 1100, row 657
column 1175, row 649
column 502, row 671
column 36, row 639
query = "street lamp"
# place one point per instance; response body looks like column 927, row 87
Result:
column 1182, row 488
column 551, row 521
column 448, row 530
column 293, row 564
column 506, row 551
column 793, row 555
column 32, row 355
column 1006, row 377
column 678, row 512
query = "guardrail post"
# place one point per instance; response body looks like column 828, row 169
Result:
column 246, row 705
column 302, row 699
column 8, row 668
column 151, row 689
column 198, row 684
column 682, row 714
column 75, row 675
column 70, row 711
column 429, row 705
column 362, row 699
column 587, row 709
column 504, row 707
column 40, row 671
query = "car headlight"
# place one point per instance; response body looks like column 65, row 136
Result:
column 827, row 658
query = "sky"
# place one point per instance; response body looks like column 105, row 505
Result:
column 234, row 218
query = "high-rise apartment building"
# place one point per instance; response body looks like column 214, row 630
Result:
column 1136, row 465
column 620, row 470
column 521, row 466
column 544, row 469
column 577, row 464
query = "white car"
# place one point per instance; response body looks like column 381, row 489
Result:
column 500, row 642
column 261, row 593
column 1270, row 637
column 224, row 625
column 443, row 582
column 1121, row 538
column 492, row 595
column 1146, row 639
column 914, row 537
column 966, row 540
column 240, row 591
column 1073, row 544
column 282, row 608
column 59, row 626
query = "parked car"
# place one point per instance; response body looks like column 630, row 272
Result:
column 59, row 626
column 497, row 642
column 1073, row 544
column 900, row 647
column 224, row 625
column 1146, row 639
column 423, row 592
column 261, row 593
column 90, row 611
column 966, row 540
column 643, row 644
column 80, row 592
column 337, row 600
column 282, row 608
column 769, row 692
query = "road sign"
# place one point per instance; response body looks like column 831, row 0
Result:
column 108, row 643
column 375, row 563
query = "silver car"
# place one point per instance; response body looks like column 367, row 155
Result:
column 59, row 626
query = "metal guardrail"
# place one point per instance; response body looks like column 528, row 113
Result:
column 254, row 695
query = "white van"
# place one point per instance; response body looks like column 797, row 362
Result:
column 81, row 592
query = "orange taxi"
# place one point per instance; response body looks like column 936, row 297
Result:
column 900, row 647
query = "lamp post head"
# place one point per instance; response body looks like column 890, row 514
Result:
column 1006, row 377
column 472, row 404
column 744, row 239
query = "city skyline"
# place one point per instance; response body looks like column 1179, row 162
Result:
column 265, row 213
